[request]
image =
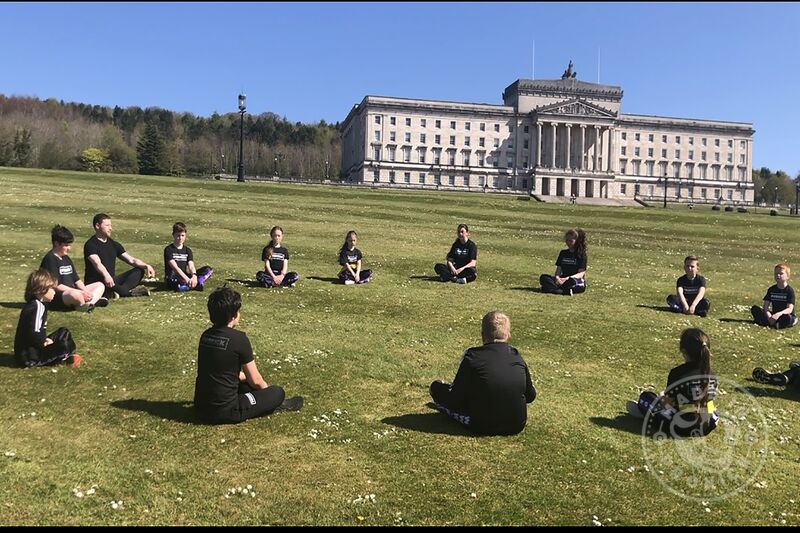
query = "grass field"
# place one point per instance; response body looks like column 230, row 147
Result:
column 365, row 449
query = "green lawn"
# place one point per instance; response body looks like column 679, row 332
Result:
column 365, row 449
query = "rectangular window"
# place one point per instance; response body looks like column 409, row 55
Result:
column 511, row 143
column 391, row 176
column 702, row 172
column 691, row 154
column 716, row 193
column 422, row 138
column 495, row 161
column 623, row 167
column 741, row 159
column 677, row 154
column 377, row 119
column 510, row 128
column 524, row 165
column 391, row 152
column 622, row 150
column 452, row 140
column 703, row 193
column 663, row 138
column 408, row 122
column 483, row 126
column 676, row 170
column 677, row 139
column 466, row 158
column 392, row 121
column 715, row 171
column 423, row 122
column 408, row 137
column 437, row 139
column 636, row 168
column 377, row 135
column 690, row 171
column 451, row 157
column 729, row 173
column 466, row 141
column 650, row 166
column 466, row 181
column 730, row 158
column 691, row 141
column 703, row 156
column 407, row 176
column 407, row 154
column 437, row 179
column 481, row 181
column 482, row 142
column 623, row 190
column 730, row 143
column 497, row 127
column 509, row 161
column 730, row 195
column 480, row 156
column 497, row 143
column 637, row 137
column 421, row 154
column 437, row 156
column 525, row 144
column 741, row 174
column 716, row 157
column 651, row 190
column 438, row 123
column 392, row 136
column 703, row 141
column 650, row 137
column 663, row 153
column 376, row 176
column 468, row 126
column 422, row 178
column 636, row 151
column 716, row 143
column 376, row 152
column 451, row 180
column 624, row 136
column 452, row 124
column 649, row 152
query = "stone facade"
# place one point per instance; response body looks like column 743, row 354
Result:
column 549, row 138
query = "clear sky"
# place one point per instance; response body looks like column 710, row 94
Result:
column 311, row 61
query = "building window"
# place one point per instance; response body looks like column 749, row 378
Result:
column 676, row 170
column 437, row 179
column 466, row 181
column 421, row 152
column 407, row 176
column 691, row 141
column 636, row 151
column 623, row 167
column 466, row 158
column 637, row 166
column 510, row 128
column 663, row 153
column 422, row 178
column 677, row 154
column 480, row 156
column 391, row 176
column 481, row 181
column 650, row 137
column 741, row 174
column 408, row 137
column 452, row 124
column 525, row 144
column 391, row 152
column 690, row 171
column 716, row 157
column 451, row 157
column 663, row 138
column 704, row 141
column 623, row 190
column 650, row 166
column 702, row 172
column 497, row 127
column 511, row 143
column 468, row 126
column 663, row 167
column 691, row 154
column 376, row 152
column 509, row 160
column 377, row 119
column 677, row 139
column 715, row 171
column 422, row 138
column 497, row 143
column 392, row 136
column 716, row 143
column 622, row 151
column 437, row 156
column 524, row 165
column 437, row 139
column 392, row 121
column 703, row 156
column 716, row 193
column 495, row 181
column 438, row 123
column 452, row 140
column 703, row 193
column 377, row 135
column 730, row 158
column 482, row 141
column 651, row 189
column 466, row 141
column 741, row 159
column 376, row 176
column 637, row 137
column 407, row 154
column 624, row 136
column 730, row 195
column 423, row 122
column 451, row 180
column 482, row 126
column 649, row 152
column 729, row 173
column 494, row 160
column 730, row 143
column 408, row 122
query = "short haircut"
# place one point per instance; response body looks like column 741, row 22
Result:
column 39, row 281
column 61, row 235
column 690, row 258
column 178, row 227
column 785, row 267
column 223, row 304
column 462, row 226
column 99, row 218
column 495, row 327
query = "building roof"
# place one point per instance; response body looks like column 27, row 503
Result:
column 565, row 86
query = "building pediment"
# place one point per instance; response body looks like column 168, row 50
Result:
column 576, row 107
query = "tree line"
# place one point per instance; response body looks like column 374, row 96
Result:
column 775, row 187
column 75, row 136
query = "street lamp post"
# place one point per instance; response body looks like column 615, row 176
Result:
column 775, row 202
column 275, row 172
column 796, row 197
column 326, row 169
column 223, row 163
column 242, row 108
column 665, row 190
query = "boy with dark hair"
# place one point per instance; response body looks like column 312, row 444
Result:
column 71, row 293
column 492, row 385
column 462, row 259
column 691, row 291
column 229, row 387
column 180, row 273
column 100, row 253
column 781, row 296
column 32, row 345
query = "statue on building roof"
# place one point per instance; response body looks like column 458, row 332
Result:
column 568, row 73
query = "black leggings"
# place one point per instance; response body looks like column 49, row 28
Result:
column 760, row 318
column 252, row 403
column 123, row 283
column 63, row 346
column 443, row 271
column 675, row 304
column 548, row 284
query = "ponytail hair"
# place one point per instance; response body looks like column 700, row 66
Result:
column 695, row 344
column 344, row 246
column 580, row 240
column 271, row 245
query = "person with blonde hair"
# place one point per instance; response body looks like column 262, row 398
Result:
column 781, row 297
column 32, row 345
column 492, row 384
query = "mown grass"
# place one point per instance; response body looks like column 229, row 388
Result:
column 364, row 356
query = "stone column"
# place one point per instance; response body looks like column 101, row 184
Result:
column 569, row 147
column 555, row 126
column 612, row 157
column 583, row 146
column 596, row 148
column 539, row 144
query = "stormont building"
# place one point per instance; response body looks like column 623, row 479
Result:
column 552, row 139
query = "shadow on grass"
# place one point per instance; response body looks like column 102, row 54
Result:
column 786, row 393
column 328, row 280
column 664, row 308
column 12, row 305
column 7, row 360
column 245, row 282
column 183, row 412
column 740, row 320
column 527, row 289
column 427, row 278
column 429, row 423
column 623, row 422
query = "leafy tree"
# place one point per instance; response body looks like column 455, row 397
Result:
column 151, row 151
column 22, row 148
column 94, row 159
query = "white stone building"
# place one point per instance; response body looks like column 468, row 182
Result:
column 550, row 138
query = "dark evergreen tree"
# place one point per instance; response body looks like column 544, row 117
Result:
column 22, row 148
column 151, row 151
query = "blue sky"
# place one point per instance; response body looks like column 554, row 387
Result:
column 312, row 61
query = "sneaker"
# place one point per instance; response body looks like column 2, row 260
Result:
column 88, row 308
column 74, row 361
column 114, row 295
column 201, row 279
column 762, row 376
column 568, row 293
column 461, row 281
column 200, row 287
column 349, row 282
column 794, row 364
column 181, row 288
column 102, row 302
column 140, row 291
column 291, row 404
column 633, row 409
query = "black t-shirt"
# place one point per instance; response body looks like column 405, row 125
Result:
column 62, row 268
column 690, row 287
column 780, row 298
column 570, row 263
column 220, row 357
column 686, row 385
column 180, row 256
column 107, row 251
column 31, row 330
column 493, row 384
column 351, row 257
column 279, row 255
column 461, row 254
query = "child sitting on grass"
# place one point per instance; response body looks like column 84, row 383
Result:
column 492, row 384
column 32, row 345
column 781, row 296
column 180, row 273
column 691, row 290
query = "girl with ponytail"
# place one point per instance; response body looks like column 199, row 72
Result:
column 276, row 263
column 686, row 407
column 570, row 276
